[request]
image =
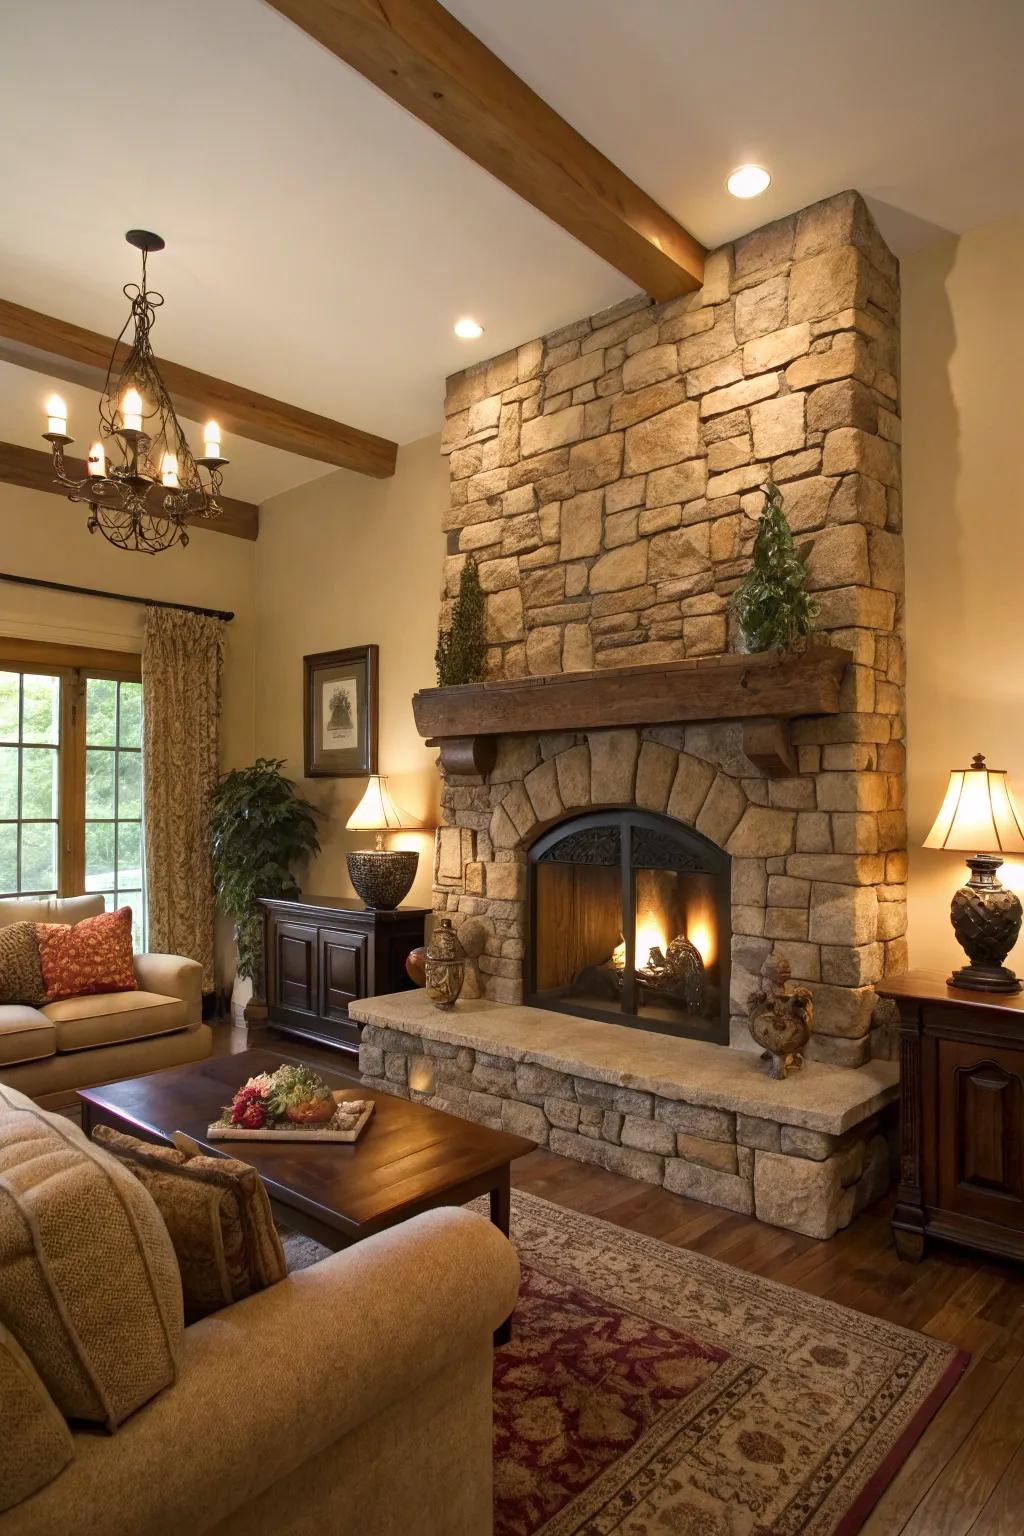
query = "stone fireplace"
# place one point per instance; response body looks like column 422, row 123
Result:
column 626, row 782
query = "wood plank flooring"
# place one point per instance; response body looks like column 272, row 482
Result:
column 966, row 1474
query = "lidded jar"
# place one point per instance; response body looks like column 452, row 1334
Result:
column 445, row 965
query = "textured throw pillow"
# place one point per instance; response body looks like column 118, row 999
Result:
column 94, row 955
column 89, row 1285
column 36, row 1443
column 218, row 1214
column 21, row 980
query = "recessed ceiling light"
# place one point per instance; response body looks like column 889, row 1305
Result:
column 748, row 181
column 468, row 328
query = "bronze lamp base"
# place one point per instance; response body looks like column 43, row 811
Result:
column 986, row 919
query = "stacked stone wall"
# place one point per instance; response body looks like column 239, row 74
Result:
column 606, row 479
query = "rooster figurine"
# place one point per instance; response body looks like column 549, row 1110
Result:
column 781, row 1018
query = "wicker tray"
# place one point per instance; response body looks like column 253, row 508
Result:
column 221, row 1132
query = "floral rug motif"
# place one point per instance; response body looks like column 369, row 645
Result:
column 650, row 1391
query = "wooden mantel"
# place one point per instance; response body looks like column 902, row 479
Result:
column 765, row 692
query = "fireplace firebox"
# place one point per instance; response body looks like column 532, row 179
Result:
column 629, row 921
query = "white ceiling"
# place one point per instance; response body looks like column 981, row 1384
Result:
column 321, row 241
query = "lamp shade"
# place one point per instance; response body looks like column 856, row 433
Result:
column 978, row 814
column 377, row 811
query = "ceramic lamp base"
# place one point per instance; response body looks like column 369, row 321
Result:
column 986, row 919
column 382, row 876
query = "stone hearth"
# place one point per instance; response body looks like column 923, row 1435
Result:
column 807, row 1154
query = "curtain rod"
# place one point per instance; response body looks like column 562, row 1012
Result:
column 117, row 597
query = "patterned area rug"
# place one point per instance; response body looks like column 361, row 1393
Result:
column 649, row 1391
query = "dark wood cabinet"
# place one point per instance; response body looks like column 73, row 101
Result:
column 324, row 952
column 962, row 1151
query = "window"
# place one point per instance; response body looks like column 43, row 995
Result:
column 71, row 775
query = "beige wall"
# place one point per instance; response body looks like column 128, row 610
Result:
column 343, row 561
column 963, row 344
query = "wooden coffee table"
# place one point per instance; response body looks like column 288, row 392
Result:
column 409, row 1159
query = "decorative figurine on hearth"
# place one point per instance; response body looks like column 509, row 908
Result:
column 445, row 965
column 781, row 1017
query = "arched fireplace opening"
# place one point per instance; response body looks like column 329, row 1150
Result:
column 629, row 921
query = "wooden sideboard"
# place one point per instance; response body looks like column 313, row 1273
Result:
column 962, row 1137
column 324, row 952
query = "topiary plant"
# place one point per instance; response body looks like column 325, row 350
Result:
column 772, row 602
column 461, row 648
column 260, row 828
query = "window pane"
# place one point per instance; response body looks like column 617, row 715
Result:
column 99, row 856
column 38, row 856
column 8, row 860
column 129, row 854
column 41, row 708
column 133, row 899
column 130, row 726
column 39, row 781
column 101, row 712
column 99, row 782
column 129, row 787
column 10, row 688
column 8, row 783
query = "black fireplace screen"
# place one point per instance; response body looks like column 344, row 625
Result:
column 629, row 921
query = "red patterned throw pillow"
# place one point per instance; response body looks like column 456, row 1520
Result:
column 94, row 955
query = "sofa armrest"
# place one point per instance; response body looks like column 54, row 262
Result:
column 172, row 976
column 272, row 1382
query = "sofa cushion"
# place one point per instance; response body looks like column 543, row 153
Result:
column 218, row 1214
column 89, row 1283
column 21, row 980
column 36, row 1443
column 106, row 1018
column 48, row 909
column 25, row 1035
column 94, row 955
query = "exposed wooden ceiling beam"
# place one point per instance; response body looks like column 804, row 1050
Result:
column 34, row 469
column 422, row 57
column 70, row 352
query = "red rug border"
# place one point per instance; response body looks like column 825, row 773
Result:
column 885, row 1472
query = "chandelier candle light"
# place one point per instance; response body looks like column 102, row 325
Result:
column 979, row 814
column 381, row 876
column 142, row 483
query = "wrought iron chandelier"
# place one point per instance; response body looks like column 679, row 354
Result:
column 142, row 482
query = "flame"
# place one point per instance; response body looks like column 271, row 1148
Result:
column 649, row 936
column 700, row 935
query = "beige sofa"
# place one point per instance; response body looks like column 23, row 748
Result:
column 50, row 1052
column 353, row 1398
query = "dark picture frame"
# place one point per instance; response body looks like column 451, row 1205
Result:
column 340, row 712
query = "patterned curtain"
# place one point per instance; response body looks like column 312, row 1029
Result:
column 181, row 670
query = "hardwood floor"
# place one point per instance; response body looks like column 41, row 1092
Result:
column 966, row 1474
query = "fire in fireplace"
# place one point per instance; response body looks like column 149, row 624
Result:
column 629, row 921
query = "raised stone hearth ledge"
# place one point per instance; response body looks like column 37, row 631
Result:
column 707, row 1123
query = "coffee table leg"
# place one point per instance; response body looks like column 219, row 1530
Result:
column 501, row 1209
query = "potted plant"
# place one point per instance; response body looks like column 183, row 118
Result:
column 260, row 828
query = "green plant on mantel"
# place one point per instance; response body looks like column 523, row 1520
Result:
column 260, row 828
column 462, row 646
column 772, row 603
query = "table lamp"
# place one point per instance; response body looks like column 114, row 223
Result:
column 381, row 876
column 979, row 813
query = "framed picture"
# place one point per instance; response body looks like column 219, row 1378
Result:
column 340, row 713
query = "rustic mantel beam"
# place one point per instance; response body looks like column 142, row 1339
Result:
column 47, row 345
column 423, row 58
column 763, row 692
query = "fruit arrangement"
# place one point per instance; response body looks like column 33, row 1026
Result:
column 294, row 1097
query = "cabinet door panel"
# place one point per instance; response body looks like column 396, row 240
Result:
column 297, row 967
column 342, row 971
column 980, row 1121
